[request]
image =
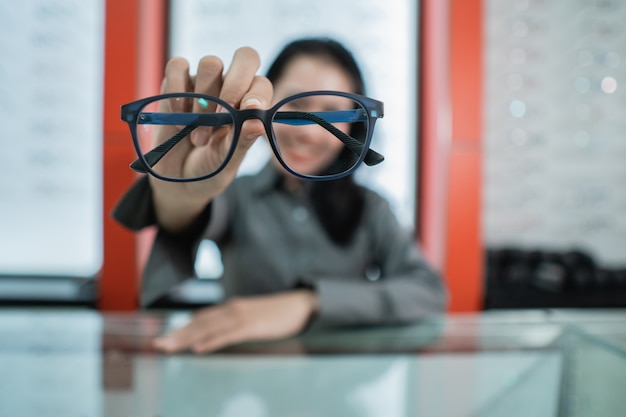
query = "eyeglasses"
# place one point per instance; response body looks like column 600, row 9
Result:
column 318, row 135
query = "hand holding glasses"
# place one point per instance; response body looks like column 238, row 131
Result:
column 296, row 127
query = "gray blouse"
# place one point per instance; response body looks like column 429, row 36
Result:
column 271, row 241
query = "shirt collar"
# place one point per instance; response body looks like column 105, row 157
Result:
column 267, row 179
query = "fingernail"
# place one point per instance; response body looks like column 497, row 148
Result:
column 163, row 342
column 252, row 102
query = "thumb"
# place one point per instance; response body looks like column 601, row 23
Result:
column 252, row 128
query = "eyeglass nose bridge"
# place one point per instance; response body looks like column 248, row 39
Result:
column 265, row 116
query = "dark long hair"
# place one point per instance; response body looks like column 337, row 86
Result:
column 338, row 204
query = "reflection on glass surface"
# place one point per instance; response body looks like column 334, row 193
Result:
column 593, row 362
column 285, row 386
column 515, row 364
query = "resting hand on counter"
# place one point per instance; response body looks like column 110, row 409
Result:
column 241, row 320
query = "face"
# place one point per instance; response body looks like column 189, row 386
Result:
column 308, row 149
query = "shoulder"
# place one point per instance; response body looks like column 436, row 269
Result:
column 375, row 203
column 244, row 185
column 379, row 218
column 258, row 183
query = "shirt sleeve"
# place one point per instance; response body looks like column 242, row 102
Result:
column 135, row 210
column 406, row 290
column 171, row 259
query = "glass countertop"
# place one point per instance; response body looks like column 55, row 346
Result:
column 507, row 363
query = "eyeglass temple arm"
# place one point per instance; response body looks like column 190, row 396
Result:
column 191, row 120
column 155, row 155
column 371, row 157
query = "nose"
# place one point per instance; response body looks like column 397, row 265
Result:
column 308, row 133
column 308, row 136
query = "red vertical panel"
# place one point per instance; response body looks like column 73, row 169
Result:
column 466, row 69
column 151, row 46
column 464, row 255
column 118, row 286
column 434, row 129
column 134, row 56
column 151, row 56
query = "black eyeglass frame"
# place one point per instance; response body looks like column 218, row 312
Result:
column 130, row 114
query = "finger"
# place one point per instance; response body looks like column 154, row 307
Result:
column 204, row 324
column 179, row 339
column 240, row 75
column 258, row 96
column 178, row 80
column 208, row 81
column 173, row 342
column 220, row 340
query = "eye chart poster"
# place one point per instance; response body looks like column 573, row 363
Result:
column 51, row 60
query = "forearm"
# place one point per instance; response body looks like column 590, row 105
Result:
column 172, row 256
column 396, row 300
column 175, row 209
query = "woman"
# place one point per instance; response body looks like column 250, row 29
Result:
column 293, row 251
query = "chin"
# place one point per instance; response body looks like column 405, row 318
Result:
column 305, row 168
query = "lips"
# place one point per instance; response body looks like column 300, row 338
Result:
column 297, row 157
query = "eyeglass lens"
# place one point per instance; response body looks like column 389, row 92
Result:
column 318, row 135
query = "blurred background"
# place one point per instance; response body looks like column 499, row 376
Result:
column 502, row 136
